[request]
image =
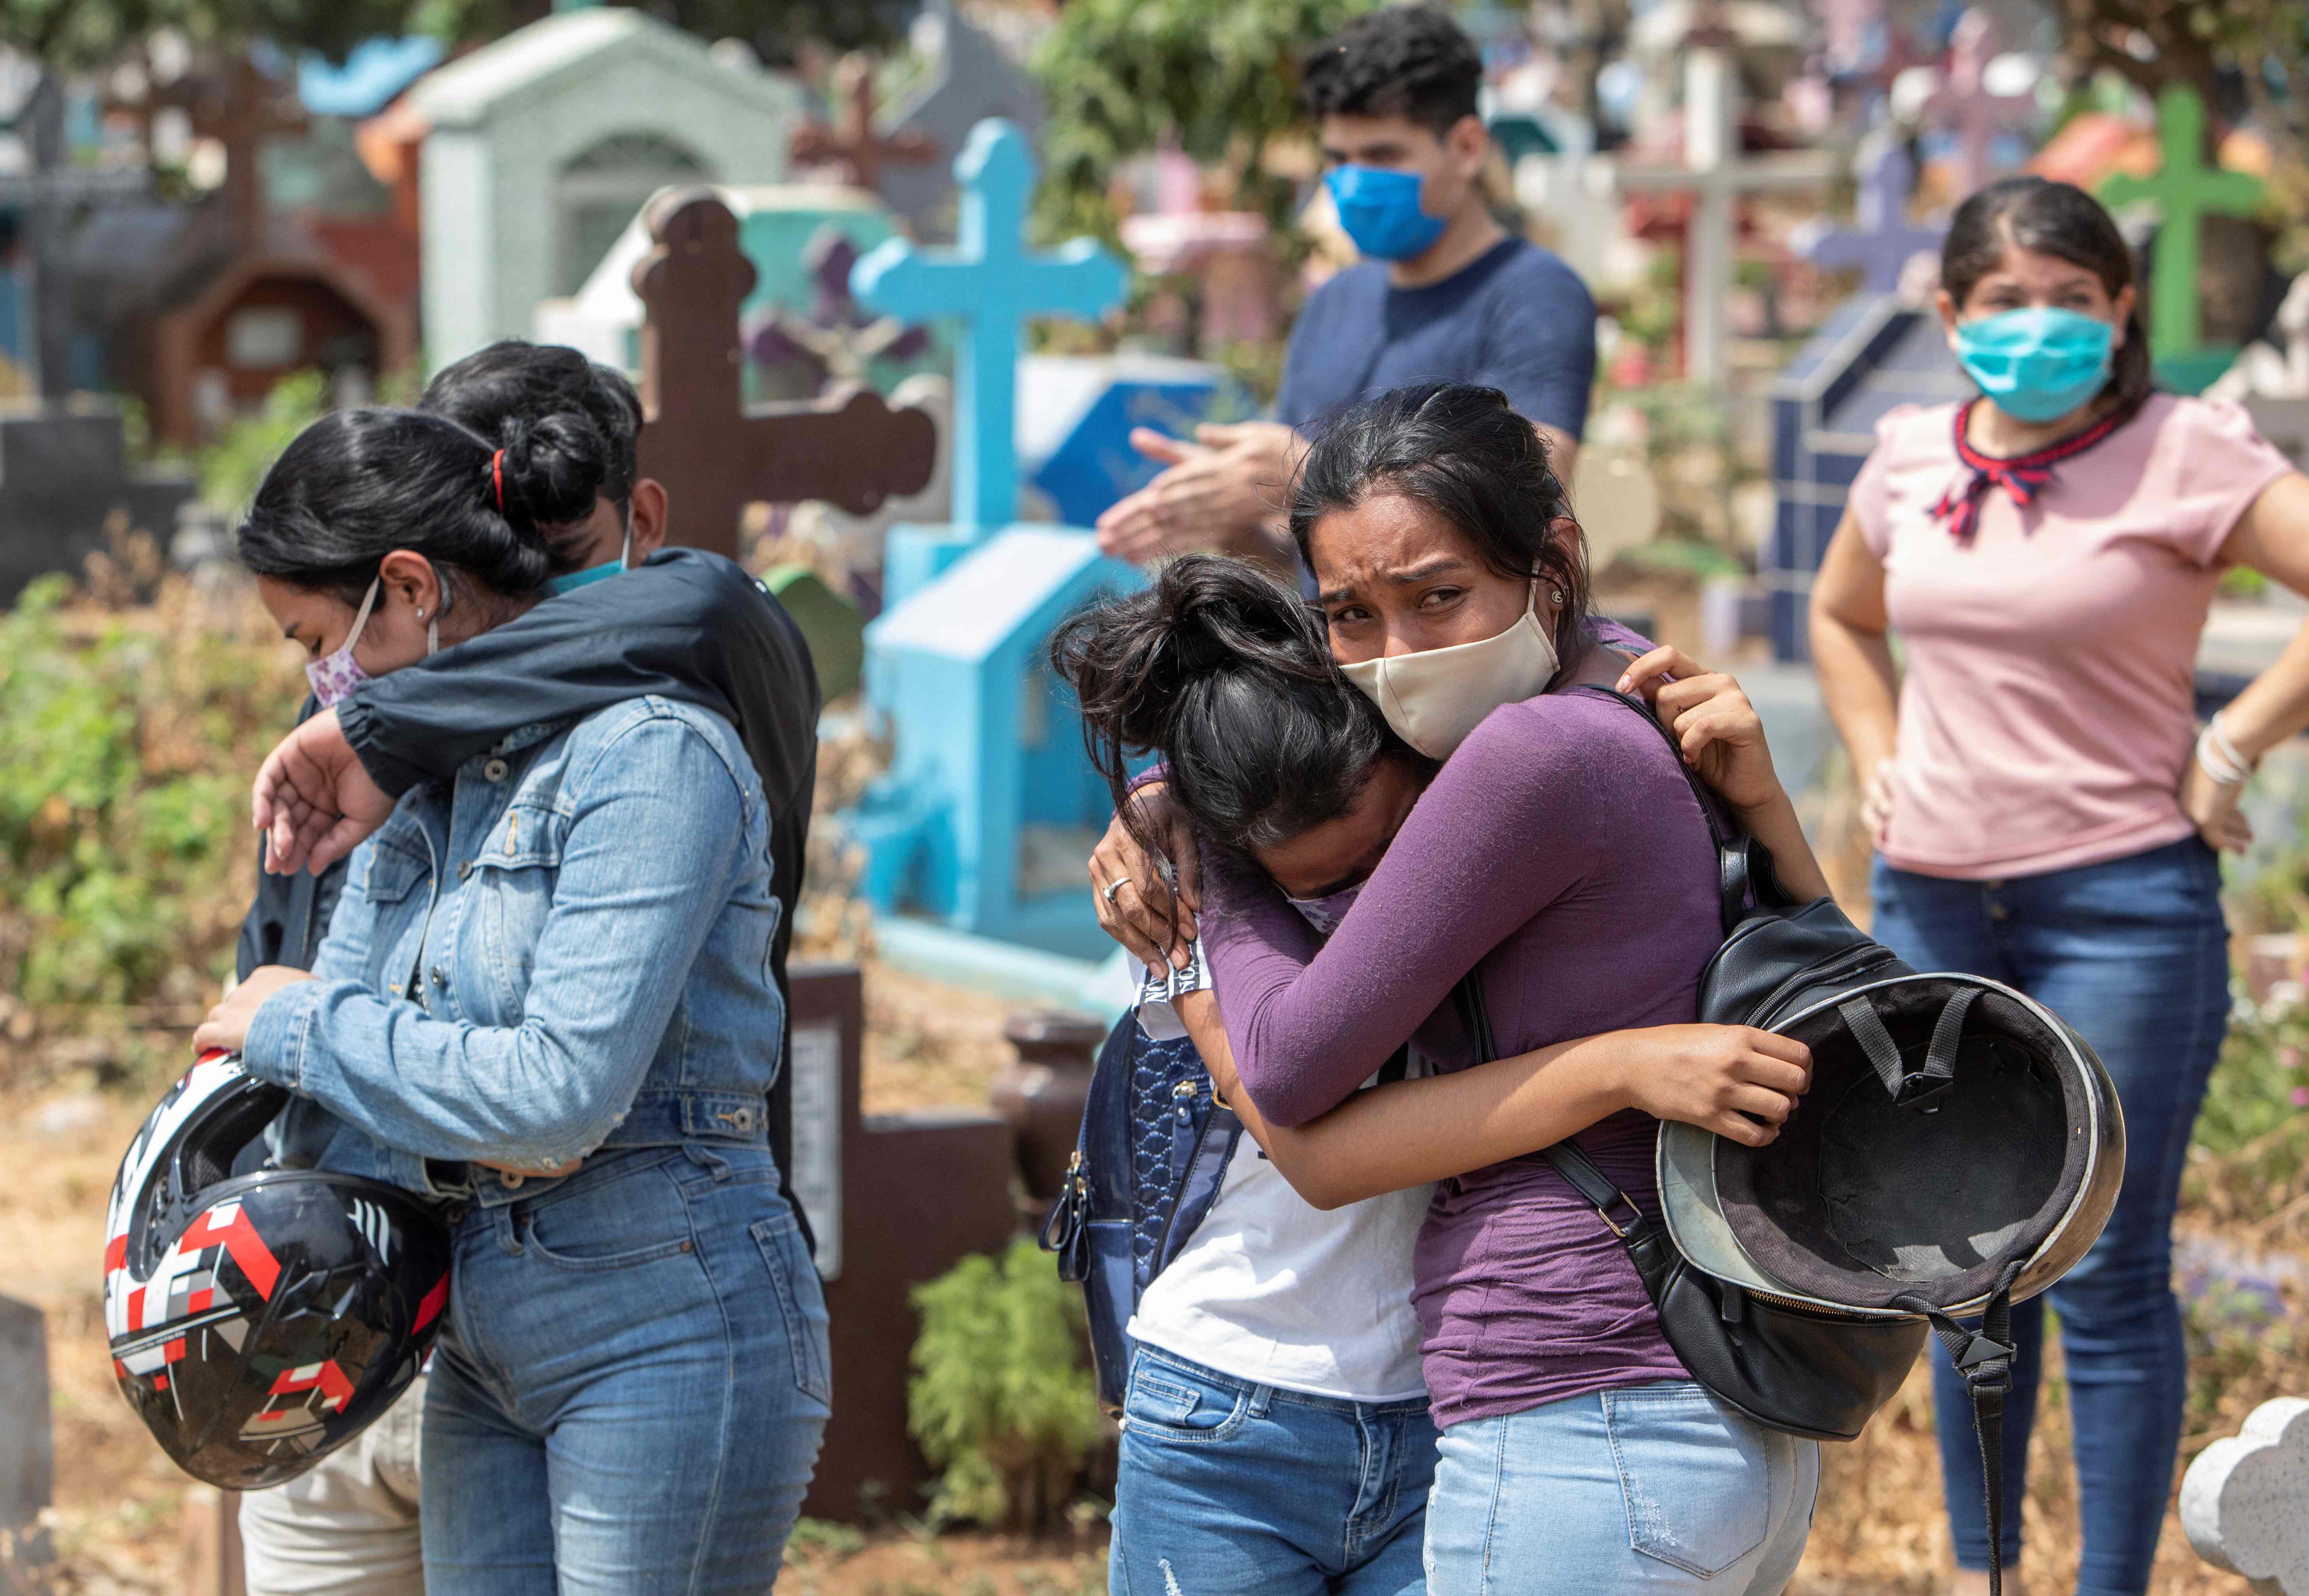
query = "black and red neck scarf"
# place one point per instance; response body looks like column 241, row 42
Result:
column 2021, row 476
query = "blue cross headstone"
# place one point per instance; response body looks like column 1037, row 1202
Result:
column 994, row 284
column 1885, row 240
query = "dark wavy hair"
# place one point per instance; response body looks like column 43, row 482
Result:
column 1227, row 675
column 1407, row 61
column 1464, row 451
column 2059, row 219
column 358, row 483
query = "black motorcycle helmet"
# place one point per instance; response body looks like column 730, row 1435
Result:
column 259, row 1321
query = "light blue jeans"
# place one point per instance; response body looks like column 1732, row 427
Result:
column 1648, row 1488
column 629, row 1393
column 1228, row 1488
column 2134, row 954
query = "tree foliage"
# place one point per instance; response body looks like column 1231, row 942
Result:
column 1217, row 78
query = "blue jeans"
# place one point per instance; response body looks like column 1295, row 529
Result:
column 1228, row 1488
column 629, row 1393
column 2134, row 954
column 1645, row 1487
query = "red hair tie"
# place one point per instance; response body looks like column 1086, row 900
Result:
column 497, row 476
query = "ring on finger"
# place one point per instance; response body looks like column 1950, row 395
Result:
column 1114, row 886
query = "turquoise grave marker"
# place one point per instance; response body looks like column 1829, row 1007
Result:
column 989, row 804
column 996, row 283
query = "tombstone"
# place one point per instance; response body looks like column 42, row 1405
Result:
column 1884, row 241
column 1873, row 353
column 1715, row 175
column 970, row 80
column 831, row 625
column 716, row 454
column 988, row 792
column 895, row 1201
column 1076, row 414
column 778, row 224
column 2243, row 1500
column 795, row 354
column 1572, row 206
column 2185, row 190
column 27, row 1449
column 835, row 539
column 994, row 284
column 543, row 145
column 850, row 142
column 1965, row 106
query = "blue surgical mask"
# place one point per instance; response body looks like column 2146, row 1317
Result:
column 559, row 585
column 1380, row 209
column 2037, row 363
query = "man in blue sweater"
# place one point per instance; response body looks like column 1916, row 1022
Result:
column 1443, row 292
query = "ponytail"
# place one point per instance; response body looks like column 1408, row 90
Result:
column 1228, row 677
column 358, row 483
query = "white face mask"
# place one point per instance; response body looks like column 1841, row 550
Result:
column 1435, row 699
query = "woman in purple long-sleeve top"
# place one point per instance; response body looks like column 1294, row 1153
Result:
column 1560, row 854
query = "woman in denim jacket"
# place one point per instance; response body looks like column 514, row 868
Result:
column 545, row 1001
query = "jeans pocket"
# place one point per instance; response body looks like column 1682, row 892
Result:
column 1695, row 1477
column 1167, row 1402
column 783, row 1252
column 618, row 1222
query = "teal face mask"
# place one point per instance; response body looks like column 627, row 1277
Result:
column 2038, row 363
column 559, row 585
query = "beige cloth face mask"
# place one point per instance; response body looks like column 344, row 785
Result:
column 1435, row 699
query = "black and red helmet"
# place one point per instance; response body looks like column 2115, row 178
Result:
column 259, row 1321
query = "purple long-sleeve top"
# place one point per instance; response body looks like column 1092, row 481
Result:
column 1561, row 851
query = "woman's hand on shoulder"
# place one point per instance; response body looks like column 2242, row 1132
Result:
column 1734, row 1080
column 1135, row 905
column 1719, row 731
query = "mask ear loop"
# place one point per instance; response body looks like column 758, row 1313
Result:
column 360, row 615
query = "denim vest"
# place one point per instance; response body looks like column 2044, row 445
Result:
column 564, row 948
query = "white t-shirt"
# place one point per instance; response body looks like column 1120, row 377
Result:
column 1274, row 1291
column 1271, row 1288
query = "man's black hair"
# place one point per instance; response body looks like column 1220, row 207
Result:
column 1408, row 61
column 514, row 381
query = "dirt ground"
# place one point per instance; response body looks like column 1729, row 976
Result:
column 122, row 1512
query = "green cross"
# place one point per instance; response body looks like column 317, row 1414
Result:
column 2185, row 190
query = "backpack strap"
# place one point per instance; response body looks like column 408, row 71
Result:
column 1745, row 880
column 1920, row 1090
column 1983, row 1357
column 1564, row 1157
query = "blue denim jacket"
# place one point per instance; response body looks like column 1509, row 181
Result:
column 564, row 948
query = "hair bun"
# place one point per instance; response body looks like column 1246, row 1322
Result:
column 552, row 470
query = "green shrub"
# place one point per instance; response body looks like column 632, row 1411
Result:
column 126, row 742
column 1001, row 1399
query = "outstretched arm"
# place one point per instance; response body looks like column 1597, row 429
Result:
column 1735, row 1081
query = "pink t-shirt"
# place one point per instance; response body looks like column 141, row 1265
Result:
column 2047, row 707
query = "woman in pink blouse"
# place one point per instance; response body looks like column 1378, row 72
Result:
column 2044, row 809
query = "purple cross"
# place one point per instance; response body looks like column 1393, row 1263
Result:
column 1884, row 240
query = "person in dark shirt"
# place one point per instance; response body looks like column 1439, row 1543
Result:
column 1443, row 293
column 681, row 624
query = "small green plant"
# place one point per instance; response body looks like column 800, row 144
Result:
column 126, row 742
column 1000, row 1398
column 821, row 1541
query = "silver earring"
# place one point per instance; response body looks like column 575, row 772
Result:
column 1559, row 599
column 1557, row 595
